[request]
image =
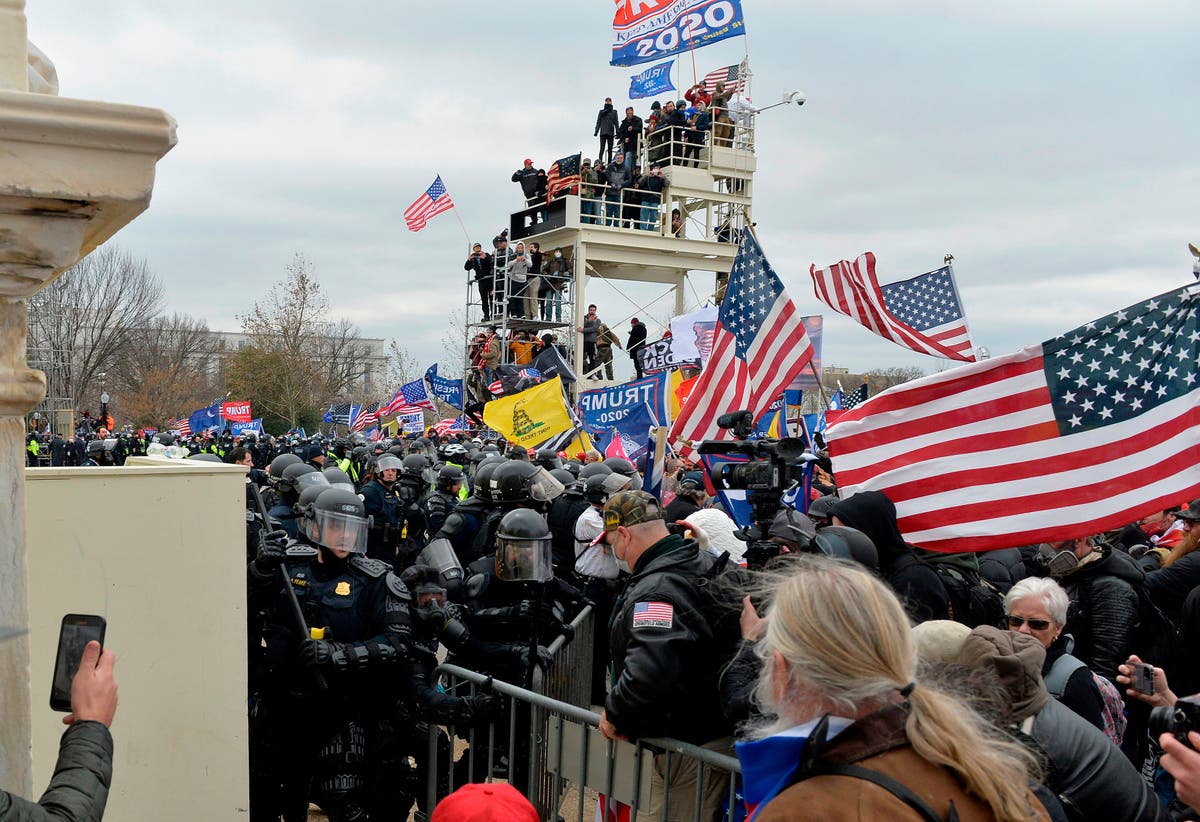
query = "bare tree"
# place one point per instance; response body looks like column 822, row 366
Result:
column 881, row 379
column 86, row 318
column 166, row 367
column 296, row 360
column 401, row 367
column 454, row 345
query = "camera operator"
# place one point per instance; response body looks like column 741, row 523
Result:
column 79, row 788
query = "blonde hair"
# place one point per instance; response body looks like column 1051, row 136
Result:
column 848, row 645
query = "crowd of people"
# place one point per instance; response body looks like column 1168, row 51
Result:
column 855, row 675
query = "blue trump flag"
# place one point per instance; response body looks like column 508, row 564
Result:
column 654, row 29
column 602, row 408
column 239, row 428
column 445, row 389
column 633, row 429
column 651, row 82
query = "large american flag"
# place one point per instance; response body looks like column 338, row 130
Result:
column 732, row 76
column 409, row 398
column 923, row 314
column 433, row 202
column 1085, row 432
column 367, row 416
column 181, row 425
column 563, row 173
column 759, row 345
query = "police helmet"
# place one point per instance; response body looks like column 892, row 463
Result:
column 304, row 510
column 593, row 468
column 205, row 458
column 518, row 453
column 166, row 439
column 573, row 466
column 340, row 520
column 417, row 465
column 388, row 462
column 523, row 482
column 449, row 476
column 622, row 466
column 599, row 487
column 483, row 479
column 523, row 547
column 848, row 543
column 428, row 592
column 338, row 478
column 548, row 458
column 455, row 453
column 565, row 477
column 820, row 510
column 300, row 476
column 275, row 469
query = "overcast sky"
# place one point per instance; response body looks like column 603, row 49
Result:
column 1050, row 146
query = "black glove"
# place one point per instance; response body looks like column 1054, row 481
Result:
column 481, row 707
column 318, row 653
column 542, row 658
column 272, row 551
column 532, row 610
column 568, row 631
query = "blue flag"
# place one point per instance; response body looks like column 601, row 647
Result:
column 445, row 389
column 206, row 419
column 602, row 408
column 633, row 429
column 651, row 82
column 239, row 428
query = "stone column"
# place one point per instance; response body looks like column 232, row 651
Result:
column 20, row 390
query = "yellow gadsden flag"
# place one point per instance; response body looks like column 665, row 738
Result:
column 532, row 416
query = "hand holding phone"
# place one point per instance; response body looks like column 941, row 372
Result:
column 1142, row 678
column 76, row 632
column 94, row 689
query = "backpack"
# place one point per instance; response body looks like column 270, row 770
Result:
column 1113, row 714
column 973, row 600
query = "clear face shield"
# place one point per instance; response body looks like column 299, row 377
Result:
column 544, row 487
column 310, row 480
column 341, row 532
column 523, row 559
column 388, row 462
column 440, row 556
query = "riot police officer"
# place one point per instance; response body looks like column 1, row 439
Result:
column 288, row 488
column 444, row 498
column 383, row 508
column 561, row 518
column 464, row 525
column 321, row 718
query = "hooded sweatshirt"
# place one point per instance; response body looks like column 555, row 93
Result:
column 1089, row 774
column 914, row 581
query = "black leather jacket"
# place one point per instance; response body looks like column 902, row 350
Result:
column 1104, row 609
column 663, row 660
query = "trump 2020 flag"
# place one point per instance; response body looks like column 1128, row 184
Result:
column 759, row 345
column 651, row 82
column 1085, row 432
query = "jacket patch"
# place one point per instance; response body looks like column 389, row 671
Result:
column 653, row 615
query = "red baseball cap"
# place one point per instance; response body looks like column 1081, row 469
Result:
column 485, row 802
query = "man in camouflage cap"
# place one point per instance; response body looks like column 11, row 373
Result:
column 664, row 666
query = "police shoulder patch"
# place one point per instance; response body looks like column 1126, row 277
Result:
column 397, row 587
column 374, row 568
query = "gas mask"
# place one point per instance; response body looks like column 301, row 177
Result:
column 1059, row 559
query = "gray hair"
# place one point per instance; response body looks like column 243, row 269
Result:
column 1050, row 592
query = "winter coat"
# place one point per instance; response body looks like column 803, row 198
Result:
column 591, row 328
column 606, row 121
column 1080, row 694
column 1104, row 608
column 1003, row 568
column 665, row 675
column 588, row 182
column 617, row 176
column 481, row 268
column 79, row 787
column 491, row 351
column 528, row 178
column 877, row 742
column 518, row 269
column 636, row 341
column 914, row 580
column 1090, row 775
column 1168, row 587
column 631, row 132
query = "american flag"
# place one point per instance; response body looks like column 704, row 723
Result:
column 368, row 415
column 409, row 398
column 759, row 345
column 433, row 202
column 924, row 315
column 338, row 414
column 530, row 373
column 181, row 425
column 856, row 397
column 444, row 427
column 1082, row 433
column 563, row 174
column 653, row 614
column 732, row 76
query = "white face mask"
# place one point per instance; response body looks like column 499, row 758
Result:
column 557, row 255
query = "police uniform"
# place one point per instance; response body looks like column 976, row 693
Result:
column 387, row 521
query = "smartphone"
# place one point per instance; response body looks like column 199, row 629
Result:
column 1142, row 679
column 76, row 632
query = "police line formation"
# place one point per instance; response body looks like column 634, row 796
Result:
column 861, row 677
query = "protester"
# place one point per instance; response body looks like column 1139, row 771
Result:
column 606, row 129
column 634, row 345
column 526, row 175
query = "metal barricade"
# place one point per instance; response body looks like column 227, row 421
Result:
column 566, row 750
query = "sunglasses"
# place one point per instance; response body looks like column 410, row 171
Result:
column 1034, row 624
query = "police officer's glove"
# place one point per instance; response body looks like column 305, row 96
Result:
column 481, row 707
column 534, row 611
column 568, row 631
column 272, row 551
column 541, row 658
column 319, row 653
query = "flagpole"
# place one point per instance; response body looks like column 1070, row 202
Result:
column 949, row 261
column 458, row 217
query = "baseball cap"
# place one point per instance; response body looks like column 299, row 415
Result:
column 485, row 802
column 628, row 508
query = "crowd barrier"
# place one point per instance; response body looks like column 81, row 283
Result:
column 554, row 744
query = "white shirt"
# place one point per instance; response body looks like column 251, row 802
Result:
column 593, row 560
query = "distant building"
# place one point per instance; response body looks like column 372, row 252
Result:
column 371, row 354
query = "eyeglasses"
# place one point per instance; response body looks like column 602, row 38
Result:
column 1034, row 624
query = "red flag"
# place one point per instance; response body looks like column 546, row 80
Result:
column 1082, row 433
column 616, row 448
column 759, row 345
column 237, row 411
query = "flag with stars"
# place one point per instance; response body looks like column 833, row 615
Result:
column 433, row 202
column 366, row 417
column 759, row 345
column 1086, row 432
column 410, row 398
column 923, row 314
column 855, row 398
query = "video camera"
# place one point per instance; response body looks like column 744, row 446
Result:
column 772, row 467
